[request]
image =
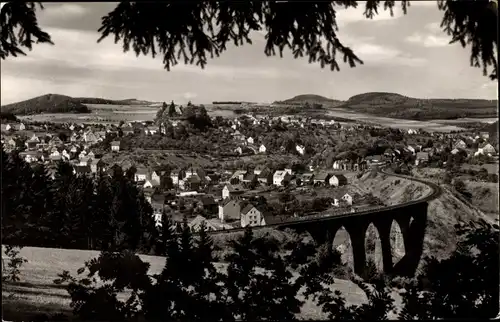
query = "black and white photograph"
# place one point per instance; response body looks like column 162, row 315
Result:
column 195, row 160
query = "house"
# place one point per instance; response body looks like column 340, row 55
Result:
column 338, row 180
column 347, row 198
column 486, row 148
column 266, row 176
column 89, row 137
column 421, row 158
column 258, row 169
column 250, row 177
column 157, row 176
column 484, row 135
column 193, row 183
column 84, row 161
column 321, row 178
column 209, row 204
column 30, row 156
column 96, row 165
column 306, row 178
column 300, row 149
column 411, row 149
column 9, row 128
column 250, row 140
column 81, row 169
column 55, row 141
column 175, row 176
column 375, row 160
column 238, row 150
column 251, row 216
column 455, row 151
column 411, row 131
column 232, row 191
column 460, row 144
column 262, row 148
column 141, row 174
column 281, row 178
column 115, row 146
column 238, row 175
column 229, row 209
column 74, row 137
column 158, row 204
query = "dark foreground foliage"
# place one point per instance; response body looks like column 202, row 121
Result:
column 258, row 283
column 195, row 30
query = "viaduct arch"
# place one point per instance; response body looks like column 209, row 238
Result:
column 412, row 220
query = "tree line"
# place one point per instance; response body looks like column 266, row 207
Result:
column 105, row 212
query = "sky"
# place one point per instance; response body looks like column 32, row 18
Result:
column 406, row 54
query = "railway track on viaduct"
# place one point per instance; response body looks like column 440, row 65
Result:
column 436, row 191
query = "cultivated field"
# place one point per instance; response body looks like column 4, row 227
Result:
column 36, row 292
column 100, row 113
column 430, row 126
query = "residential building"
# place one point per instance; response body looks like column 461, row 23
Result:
column 262, row 148
column 251, row 216
column 280, row 178
column 321, row 178
column 300, row 149
column 338, row 180
column 229, row 210
column 115, row 146
column 422, row 157
column 141, row 174
column 232, row 191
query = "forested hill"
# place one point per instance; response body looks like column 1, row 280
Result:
column 399, row 106
column 310, row 99
column 55, row 103
column 49, row 103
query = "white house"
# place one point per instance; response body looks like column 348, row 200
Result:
column 238, row 150
column 412, row 131
column 347, row 198
column 250, row 140
column 278, row 177
column 487, row 149
column 262, row 148
column 8, row 127
column 22, row 127
column 411, row 149
column 251, row 216
column 141, row 174
column 301, row 149
column 174, row 175
column 115, row 146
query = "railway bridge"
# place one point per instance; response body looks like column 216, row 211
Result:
column 410, row 216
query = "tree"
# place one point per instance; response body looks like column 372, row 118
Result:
column 461, row 286
column 171, row 109
column 152, row 28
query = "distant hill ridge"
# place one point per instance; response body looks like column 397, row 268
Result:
column 310, row 99
column 55, row 103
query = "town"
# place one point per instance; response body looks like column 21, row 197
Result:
column 259, row 169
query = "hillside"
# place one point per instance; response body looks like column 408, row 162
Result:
column 399, row 106
column 311, row 99
column 49, row 103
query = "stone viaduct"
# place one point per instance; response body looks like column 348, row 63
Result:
column 411, row 218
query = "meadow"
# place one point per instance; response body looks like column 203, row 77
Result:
column 36, row 292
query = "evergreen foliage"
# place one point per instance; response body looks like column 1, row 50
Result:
column 72, row 211
column 305, row 28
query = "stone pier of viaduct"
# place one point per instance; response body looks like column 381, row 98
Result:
column 411, row 218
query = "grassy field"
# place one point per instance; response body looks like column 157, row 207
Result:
column 36, row 293
column 100, row 113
